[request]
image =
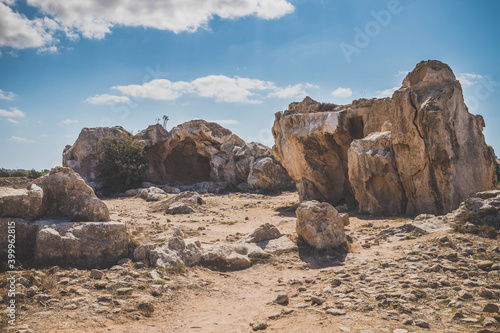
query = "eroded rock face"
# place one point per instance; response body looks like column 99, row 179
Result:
column 374, row 177
column 66, row 195
column 313, row 146
column 440, row 152
column 267, row 174
column 82, row 156
column 86, row 245
column 320, row 225
column 435, row 155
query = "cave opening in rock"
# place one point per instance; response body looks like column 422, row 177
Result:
column 356, row 127
column 185, row 165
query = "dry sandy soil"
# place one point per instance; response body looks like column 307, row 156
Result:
column 392, row 280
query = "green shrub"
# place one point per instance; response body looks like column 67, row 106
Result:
column 122, row 163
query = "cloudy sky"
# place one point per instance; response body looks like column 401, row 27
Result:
column 68, row 64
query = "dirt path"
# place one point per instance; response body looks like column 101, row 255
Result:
column 390, row 280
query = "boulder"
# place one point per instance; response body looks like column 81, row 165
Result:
column 183, row 203
column 85, row 245
column 176, row 250
column 83, row 155
column 373, row 175
column 66, row 195
column 480, row 210
column 320, row 225
column 437, row 149
column 151, row 194
column 22, row 203
column 264, row 232
column 179, row 208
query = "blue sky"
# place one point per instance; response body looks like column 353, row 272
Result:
column 65, row 65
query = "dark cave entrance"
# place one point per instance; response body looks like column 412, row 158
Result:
column 185, row 165
column 356, row 127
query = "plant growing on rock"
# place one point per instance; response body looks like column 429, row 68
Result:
column 122, row 163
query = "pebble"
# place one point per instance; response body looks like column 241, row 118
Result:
column 282, row 299
column 259, row 325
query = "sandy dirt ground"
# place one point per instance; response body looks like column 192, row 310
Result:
column 391, row 280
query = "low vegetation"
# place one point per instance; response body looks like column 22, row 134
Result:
column 122, row 163
column 33, row 174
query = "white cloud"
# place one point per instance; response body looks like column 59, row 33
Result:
column 49, row 49
column 107, row 99
column 14, row 113
column 230, row 90
column 224, row 122
column 68, row 121
column 402, row 73
column 386, row 92
column 6, row 95
column 468, row 79
column 95, row 18
column 13, row 121
column 219, row 87
column 17, row 31
column 161, row 89
column 291, row 91
column 342, row 92
column 19, row 139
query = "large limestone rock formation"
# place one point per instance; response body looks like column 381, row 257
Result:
column 194, row 152
column 57, row 200
column 312, row 140
column 440, row 152
column 82, row 156
column 432, row 159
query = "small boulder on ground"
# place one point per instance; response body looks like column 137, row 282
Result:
column 151, row 194
column 183, row 203
column 264, row 232
column 320, row 225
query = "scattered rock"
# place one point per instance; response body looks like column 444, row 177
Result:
column 281, row 299
column 259, row 325
column 266, row 231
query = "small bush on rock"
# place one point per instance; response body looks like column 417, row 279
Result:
column 122, row 163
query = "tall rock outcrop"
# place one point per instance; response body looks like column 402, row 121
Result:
column 432, row 158
column 82, row 156
column 195, row 151
column 440, row 152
